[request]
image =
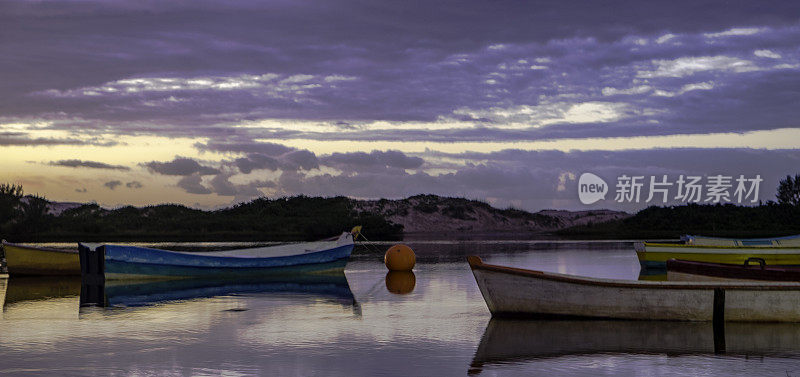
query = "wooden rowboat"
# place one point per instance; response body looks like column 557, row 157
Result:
column 786, row 241
column 110, row 262
column 28, row 260
column 519, row 292
column 678, row 270
column 656, row 255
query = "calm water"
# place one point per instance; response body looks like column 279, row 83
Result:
column 432, row 322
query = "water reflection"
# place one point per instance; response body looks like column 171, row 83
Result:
column 435, row 329
column 517, row 341
column 651, row 274
column 400, row 282
column 32, row 297
column 61, row 297
column 332, row 287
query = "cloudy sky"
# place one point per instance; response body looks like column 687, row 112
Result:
column 209, row 103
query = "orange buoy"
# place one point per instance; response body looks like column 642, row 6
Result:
column 400, row 282
column 399, row 258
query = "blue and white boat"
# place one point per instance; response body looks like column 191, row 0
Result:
column 113, row 262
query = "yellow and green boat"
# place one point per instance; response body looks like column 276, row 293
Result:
column 28, row 260
column 655, row 255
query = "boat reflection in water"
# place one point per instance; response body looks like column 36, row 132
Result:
column 29, row 297
column 516, row 341
column 331, row 287
column 652, row 274
column 61, row 297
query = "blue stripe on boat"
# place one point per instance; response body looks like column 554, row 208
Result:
column 132, row 260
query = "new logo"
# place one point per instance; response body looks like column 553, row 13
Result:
column 591, row 188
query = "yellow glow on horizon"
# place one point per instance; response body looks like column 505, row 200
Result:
column 29, row 166
column 785, row 138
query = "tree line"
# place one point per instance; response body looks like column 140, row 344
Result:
column 301, row 218
column 773, row 218
column 26, row 218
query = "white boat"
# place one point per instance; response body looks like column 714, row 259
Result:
column 520, row 292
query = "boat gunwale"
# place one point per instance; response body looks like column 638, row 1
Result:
column 678, row 245
column 48, row 249
column 794, row 236
column 476, row 263
column 206, row 257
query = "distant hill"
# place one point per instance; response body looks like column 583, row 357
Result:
column 294, row 218
column 432, row 214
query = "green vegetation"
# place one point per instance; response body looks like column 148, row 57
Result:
column 721, row 220
column 789, row 190
column 26, row 218
column 726, row 220
column 296, row 218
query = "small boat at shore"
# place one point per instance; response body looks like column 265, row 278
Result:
column 758, row 270
column 29, row 260
column 111, row 262
column 787, row 241
column 519, row 292
column 656, row 255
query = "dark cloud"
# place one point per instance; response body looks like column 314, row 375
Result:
column 186, row 70
column 134, row 185
column 81, row 190
column 87, row 164
column 220, row 185
column 536, row 180
column 193, row 184
column 531, row 180
column 180, row 166
column 299, row 159
column 112, row 184
column 379, row 159
column 267, row 149
column 234, row 73
column 256, row 161
column 294, row 160
column 24, row 139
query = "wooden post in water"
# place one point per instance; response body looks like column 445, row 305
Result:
column 92, row 275
column 719, row 321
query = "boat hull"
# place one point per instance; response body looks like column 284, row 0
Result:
column 517, row 292
column 655, row 256
column 679, row 270
column 25, row 260
column 129, row 262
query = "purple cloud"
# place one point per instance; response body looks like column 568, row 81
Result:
column 87, row 164
column 112, row 184
column 192, row 184
column 180, row 166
